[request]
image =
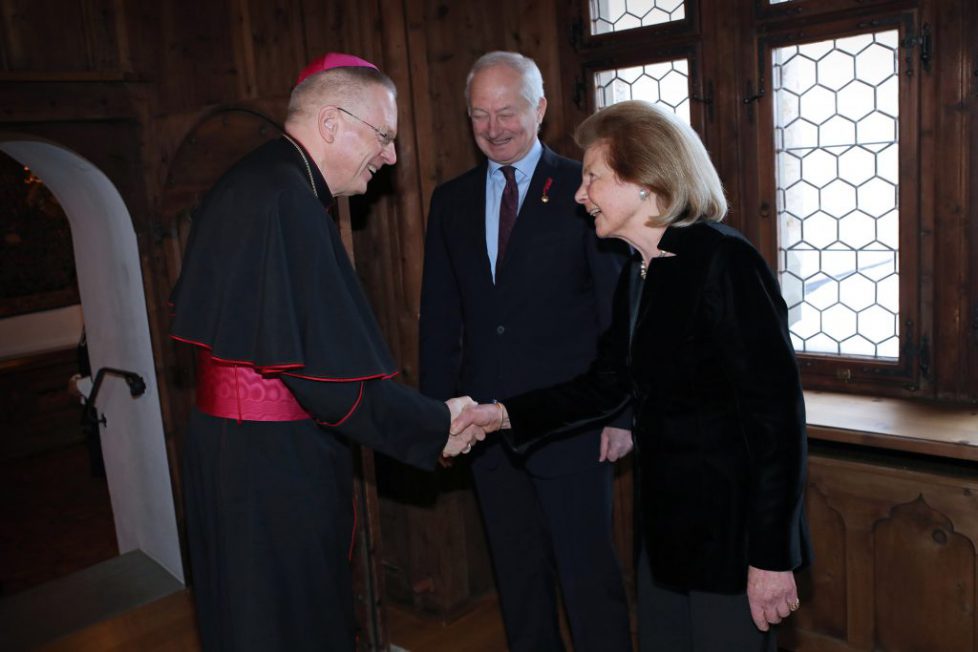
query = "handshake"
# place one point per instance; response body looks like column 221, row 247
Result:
column 471, row 422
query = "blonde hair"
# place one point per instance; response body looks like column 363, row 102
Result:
column 651, row 147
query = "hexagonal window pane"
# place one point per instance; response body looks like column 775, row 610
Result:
column 817, row 104
column 645, row 88
column 618, row 15
column 855, row 100
column 836, row 69
column 801, row 199
column 819, row 167
column 876, row 128
column 837, row 131
column 877, row 324
column 857, row 165
column 839, row 322
column 876, row 265
column 876, row 63
column 800, row 133
column 797, row 74
column 876, row 196
column 838, row 198
column 674, row 88
column 857, row 292
column 820, row 230
column 857, row 229
column 821, row 292
column 839, row 264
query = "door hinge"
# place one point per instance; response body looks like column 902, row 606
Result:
column 580, row 89
column 922, row 41
column 577, row 34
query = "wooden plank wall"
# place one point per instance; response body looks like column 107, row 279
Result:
column 158, row 96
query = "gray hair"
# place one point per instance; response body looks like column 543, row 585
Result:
column 532, row 87
column 342, row 86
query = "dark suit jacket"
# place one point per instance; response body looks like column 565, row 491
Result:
column 538, row 324
column 720, row 415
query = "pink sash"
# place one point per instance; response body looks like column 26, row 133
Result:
column 233, row 390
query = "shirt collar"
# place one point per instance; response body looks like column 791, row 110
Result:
column 525, row 165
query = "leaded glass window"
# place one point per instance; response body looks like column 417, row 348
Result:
column 665, row 83
column 619, row 15
column 836, row 111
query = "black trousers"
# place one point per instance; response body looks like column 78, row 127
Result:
column 695, row 621
column 543, row 531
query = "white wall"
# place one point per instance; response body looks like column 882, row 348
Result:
column 40, row 331
column 111, row 288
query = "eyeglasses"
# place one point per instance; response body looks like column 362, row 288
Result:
column 384, row 137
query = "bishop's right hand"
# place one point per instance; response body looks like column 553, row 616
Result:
column 462, row 438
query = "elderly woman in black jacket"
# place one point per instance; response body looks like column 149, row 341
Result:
column 700, row 347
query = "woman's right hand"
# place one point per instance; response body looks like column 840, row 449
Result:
column 772, row 596
column 488, row 416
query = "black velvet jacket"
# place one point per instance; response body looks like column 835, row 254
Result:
column 719, row 411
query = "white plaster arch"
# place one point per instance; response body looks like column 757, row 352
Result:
column 117, row 327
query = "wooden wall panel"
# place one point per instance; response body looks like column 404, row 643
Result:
column 909, row 573
column 826, row 578
column 918, row 553
column 79, row 35
column 196, row 55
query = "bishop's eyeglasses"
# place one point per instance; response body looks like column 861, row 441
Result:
column 384, row 137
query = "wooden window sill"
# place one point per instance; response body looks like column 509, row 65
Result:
column 894, row 424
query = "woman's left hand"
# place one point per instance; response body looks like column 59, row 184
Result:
column 772, row 596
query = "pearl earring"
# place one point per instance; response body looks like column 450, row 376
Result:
column 643, row 193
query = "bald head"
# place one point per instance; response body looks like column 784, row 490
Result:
column 344, row 87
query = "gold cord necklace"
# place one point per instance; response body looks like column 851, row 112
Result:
column 312, row 182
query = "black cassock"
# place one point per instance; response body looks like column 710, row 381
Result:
column 267, row 287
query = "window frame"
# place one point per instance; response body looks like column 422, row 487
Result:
column 937, row 186
column 822, row 371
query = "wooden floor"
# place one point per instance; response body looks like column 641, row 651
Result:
column 167, row 625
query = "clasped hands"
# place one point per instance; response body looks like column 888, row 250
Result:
column 470, row 423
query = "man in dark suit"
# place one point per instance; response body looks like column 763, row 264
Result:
column 516, row 291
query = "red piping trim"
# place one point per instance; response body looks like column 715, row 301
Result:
column 349, row 414
column 342, row 380
column 280, row 368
